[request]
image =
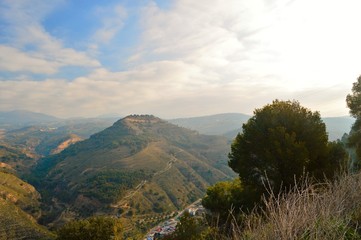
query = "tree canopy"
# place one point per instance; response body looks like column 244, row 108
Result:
column 353, row 101
column 280, row 143
column 221, row 197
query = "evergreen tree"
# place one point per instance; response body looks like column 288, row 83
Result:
column 279, row 144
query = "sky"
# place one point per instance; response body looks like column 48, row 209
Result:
column 177, row 58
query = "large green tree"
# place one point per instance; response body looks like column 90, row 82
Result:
column 279, row 144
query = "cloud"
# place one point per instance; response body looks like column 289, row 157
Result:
column 155, row 88
column 167, row 89
column 13, row 60
column 112, row 19
column 196, row 58
column 30, row 43
column 297, row 41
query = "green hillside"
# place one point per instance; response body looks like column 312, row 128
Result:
column 18, row 159
column 140, row 165
column 37, row 140
column 42, row 140
column 19, row 209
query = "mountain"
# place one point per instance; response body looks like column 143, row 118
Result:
column 22, row 147
column 230, row 124
column 218, row 124
column 39, row 140
column 84, row 127
column 24, row 118
column 42, row 140
column 141, row 164
column 19, row 209
column 337, row 126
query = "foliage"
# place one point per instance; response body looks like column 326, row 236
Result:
column 109, row 167
column 354, row 100
column 19, row 209
column 108, row 186
column 224, row 197
column 94, row 228
column 354, row 104
column 188, row 228
column 279, row 144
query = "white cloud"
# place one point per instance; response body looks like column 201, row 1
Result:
column 167, row 89
column 203, row 57
column 282, row 46
column 13, row 60
column 24, row 32
column 112, row 19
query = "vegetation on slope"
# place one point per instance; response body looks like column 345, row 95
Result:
column 16, row 158
column 94, row 228
column 38, row 140
column 140, row 165
column 19, row 209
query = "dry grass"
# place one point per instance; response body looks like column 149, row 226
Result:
column 328, row 211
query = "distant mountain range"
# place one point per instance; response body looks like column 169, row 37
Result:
column 230, row 124
column 218, row 124
column 23, row 118
column 226, row 124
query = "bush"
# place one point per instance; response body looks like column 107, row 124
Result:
column 94, row 228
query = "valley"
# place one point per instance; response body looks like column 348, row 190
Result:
column 140, row 169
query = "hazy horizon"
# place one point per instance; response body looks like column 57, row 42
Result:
column 114, row 115
column 177, row 58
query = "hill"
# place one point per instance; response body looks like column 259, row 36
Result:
column 39, row 140
column 32, row 142
column 140, row 165
column 20, row 118
column 15, row 158
column 19, row 209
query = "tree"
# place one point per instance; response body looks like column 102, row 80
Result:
column 354, row 100
column 279, row 144
column 225, row 198
column 225, row 201
column 220, row 198
column 354, row 104
column 188, row 228
column 94, row 228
